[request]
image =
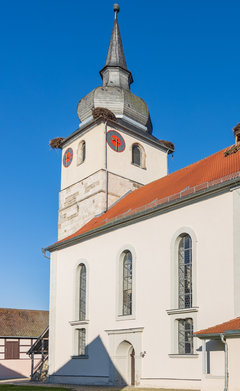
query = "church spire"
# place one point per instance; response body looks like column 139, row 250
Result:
column 115, row 72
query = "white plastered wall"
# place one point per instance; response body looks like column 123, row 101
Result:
column 84, row 186
column 212, row 222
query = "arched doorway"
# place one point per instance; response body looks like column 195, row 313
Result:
column 125, row 364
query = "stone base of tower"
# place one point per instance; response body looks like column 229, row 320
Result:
column 89, row 197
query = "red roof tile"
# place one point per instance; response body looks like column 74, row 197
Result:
column 209, row 169
column 22, row 323
column 233, row 324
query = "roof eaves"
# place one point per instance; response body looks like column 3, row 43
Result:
column 208, row 335
column 37, row 341
column 144, row 214
column 226, row 333
column 137, row 132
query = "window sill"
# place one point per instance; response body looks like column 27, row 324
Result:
column 183, row 355
column 209, row 376
column 125, row 317
column 78, row 323
column 182, row 310
column 136, row 165
column 80, row 357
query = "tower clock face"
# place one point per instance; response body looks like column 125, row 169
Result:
column 115, row 141
column 67, row 157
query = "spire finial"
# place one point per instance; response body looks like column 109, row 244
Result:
column 116, row 9
column 115, row 72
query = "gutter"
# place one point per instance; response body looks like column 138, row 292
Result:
column 227, row 333
column 145, row 214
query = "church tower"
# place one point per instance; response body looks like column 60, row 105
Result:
column 113, row 150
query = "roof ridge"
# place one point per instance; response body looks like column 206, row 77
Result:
column 174, row 172
column 208, row 170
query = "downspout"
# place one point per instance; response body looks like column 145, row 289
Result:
column 106, row 169
column 226, row 361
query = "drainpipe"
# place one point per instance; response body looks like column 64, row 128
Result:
column 226, row 361
column 106, row 170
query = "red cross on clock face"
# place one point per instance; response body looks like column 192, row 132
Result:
column 67, row 157
column 115, row 141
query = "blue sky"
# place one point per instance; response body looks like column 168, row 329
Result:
column 184, row 57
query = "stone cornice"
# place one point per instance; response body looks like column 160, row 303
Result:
column 140, row 134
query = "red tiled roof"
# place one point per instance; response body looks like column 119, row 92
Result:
column 233, row 324
column 22, row 323
column 206, row 170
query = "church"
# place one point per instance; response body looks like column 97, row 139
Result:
column 145, row 275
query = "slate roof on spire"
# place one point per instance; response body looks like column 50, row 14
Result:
column 115, row 56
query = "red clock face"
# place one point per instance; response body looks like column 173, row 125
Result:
column 115, row 141
column 67, row 157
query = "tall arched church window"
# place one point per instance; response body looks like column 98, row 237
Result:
column 185, row 272
column 127, row 283
column 82, row 292
column 81, row 153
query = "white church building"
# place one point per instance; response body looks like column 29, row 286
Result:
column 144, row 259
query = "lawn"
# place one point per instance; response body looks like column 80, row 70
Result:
column 12, row 387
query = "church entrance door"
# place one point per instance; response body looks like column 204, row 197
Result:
column 132, row 366
column 125, row 364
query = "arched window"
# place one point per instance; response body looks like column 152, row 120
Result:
column 82, row 292
column 136, row 155
column 185, row 272
column 81, row 153
column 127, row 287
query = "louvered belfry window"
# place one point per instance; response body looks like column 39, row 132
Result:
column 82, row 293
column 83, row 151
column 185, row 336
column 185, row 272
column 136, row 155
column 127, row 284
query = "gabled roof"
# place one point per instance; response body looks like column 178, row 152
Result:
column 22, row 323
column 222, row 328
column 210, row 171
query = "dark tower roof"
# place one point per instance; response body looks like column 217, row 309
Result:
column 115, row 94
column 116, row 61
column 115, row 56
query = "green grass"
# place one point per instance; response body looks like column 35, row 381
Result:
column 12, row 387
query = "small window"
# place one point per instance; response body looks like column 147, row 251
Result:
column 185, row 272
column 136, row 155
column 82, row 292
column 11, row 350
column 127, row 284
column 81, row 342
column 185, row 336
column 81, row 153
